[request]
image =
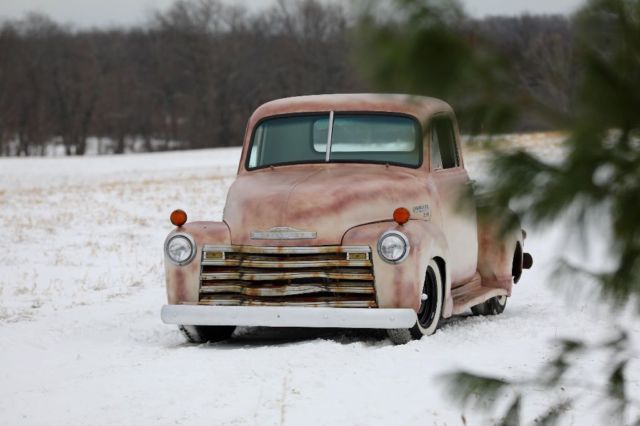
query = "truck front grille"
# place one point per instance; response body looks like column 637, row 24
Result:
column 329, row 276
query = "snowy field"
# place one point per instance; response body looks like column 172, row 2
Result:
column 81, row 342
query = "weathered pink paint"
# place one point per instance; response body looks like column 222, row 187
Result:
column 353, row 204
column 183, row 282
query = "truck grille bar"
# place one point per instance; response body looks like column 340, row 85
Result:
column 327, row 276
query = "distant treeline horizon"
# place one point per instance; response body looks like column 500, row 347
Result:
column 191, row 76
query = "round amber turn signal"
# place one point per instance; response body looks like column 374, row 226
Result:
column 401, row 215
column 178, row 217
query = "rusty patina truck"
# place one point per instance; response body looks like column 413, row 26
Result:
column 348, row 211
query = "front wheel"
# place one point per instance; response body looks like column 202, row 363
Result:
column 493, row 306
column 206, row 333
column 430, row 309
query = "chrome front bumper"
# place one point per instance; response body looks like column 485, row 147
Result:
column 288, row 316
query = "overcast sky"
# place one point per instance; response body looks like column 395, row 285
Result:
column 128, row 12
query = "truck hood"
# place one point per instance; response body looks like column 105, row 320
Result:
column 324, row 201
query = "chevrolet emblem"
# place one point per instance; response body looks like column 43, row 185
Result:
column 283, row 233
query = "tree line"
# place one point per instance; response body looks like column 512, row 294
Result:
column 191, row 76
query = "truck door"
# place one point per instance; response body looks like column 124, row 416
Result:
column 457, row 207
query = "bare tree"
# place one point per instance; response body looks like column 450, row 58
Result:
column 191, row 76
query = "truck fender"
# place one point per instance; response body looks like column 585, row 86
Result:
column 400, row 285
column 183, row 282
column 500, row 252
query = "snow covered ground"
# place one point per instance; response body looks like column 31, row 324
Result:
column 81, row 342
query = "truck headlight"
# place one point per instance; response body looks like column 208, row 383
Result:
column 180, row 249
column 393, row 247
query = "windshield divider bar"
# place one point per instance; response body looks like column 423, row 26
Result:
column 327, row 157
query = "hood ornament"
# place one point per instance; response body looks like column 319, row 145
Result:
column 283, row 233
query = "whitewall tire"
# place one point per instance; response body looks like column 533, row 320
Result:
column 430, row 312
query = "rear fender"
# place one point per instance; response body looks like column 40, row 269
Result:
column 497, row 249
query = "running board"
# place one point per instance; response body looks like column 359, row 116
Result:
column 472, row 293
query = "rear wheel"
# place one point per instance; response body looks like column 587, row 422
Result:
column 206, row 333
column 429, row 312
column 493, row 306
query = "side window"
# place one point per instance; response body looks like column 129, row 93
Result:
column 444, row 152
column 255, row 155
column 436, row 158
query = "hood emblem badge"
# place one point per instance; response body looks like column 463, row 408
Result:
column 283, row 233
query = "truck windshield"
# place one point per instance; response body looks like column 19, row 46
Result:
column 355, row 138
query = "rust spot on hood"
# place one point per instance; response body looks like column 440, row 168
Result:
column 327, row 199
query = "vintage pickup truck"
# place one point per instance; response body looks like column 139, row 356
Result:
column 348, row 211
